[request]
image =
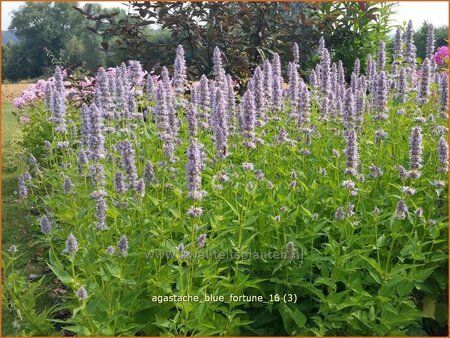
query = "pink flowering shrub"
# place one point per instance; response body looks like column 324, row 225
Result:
column 441, row 55
column 32, row 93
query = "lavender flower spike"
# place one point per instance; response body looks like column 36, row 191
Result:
column 149, row 173
column 71, row 245
column 67, row 185
column 179, row 71
column 398, row 41
column 128, row 162
column 219, row 72
column 401, row 87
column 230, row 98
column 191, row 117
column 382, row 93
column 415, row 148
column 46, row 225
column 277, row 83
column 410, row 50
column 443, row 155
column 82, row 293
column 96, row 138
column 268, row 84
column 204, row 101
column 291, row 251
column 23, row 189
column 424, row 86
column 201, row 241
column 101, row 209
column 85, row 124
column 220, row 119
column 119, row 183
column 430, row 41
column 249, row 119
column 122, row 246
column 444, row 96
column 402, row 210
column 193, row 170
column 351, row 152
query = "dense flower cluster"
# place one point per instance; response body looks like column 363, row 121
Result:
column 146, row 160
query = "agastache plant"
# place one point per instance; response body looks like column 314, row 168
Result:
column 357, row 160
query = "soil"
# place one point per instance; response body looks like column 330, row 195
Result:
column 12, row 90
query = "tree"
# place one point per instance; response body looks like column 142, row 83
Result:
column 248, row 32
column 40, row 26
column 353, row 29
column 420, row 38
column 56, row 29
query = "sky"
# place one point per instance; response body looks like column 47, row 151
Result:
column 435, row 12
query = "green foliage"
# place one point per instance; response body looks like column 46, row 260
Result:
column 250, row 32
column 353, row 29
column 55, row 29
column 420, row 38
column 363, row 275
column 20, row 296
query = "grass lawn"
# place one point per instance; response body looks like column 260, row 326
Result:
column 14, row 217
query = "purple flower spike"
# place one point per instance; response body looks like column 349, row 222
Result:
column 71, row 246
column 96, row 138
column 443, row 155
column 351, row 152
column 46, row 225
column 381, row 60
column 219, row 72
column 220, row 119
column 415, row 148
column 398, row 43
column 179, row 71
column 122, row 246
column 410, row 49
column 424, row 86
column 430, row 41
column 277, row 83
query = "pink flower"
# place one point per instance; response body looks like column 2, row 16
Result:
column 441, row 55
column 18, row 102
column 83, row 84
column 111, row 71
column 24, row 119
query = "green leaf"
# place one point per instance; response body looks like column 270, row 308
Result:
column 293, row 319
column 56, row 266
column 428, row 307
